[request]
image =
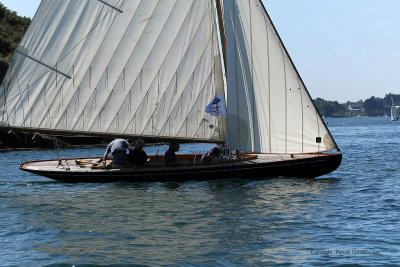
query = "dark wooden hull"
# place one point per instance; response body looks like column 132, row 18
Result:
column 309, row 166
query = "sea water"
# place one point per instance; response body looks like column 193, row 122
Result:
column 350, row 216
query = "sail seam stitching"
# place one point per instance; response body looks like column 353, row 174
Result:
column 139, row 76
column 190, row 80
column 179, row 99
column 29, row 113
column 173, row 78
column 89, row 70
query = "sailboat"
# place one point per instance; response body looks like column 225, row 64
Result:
column 212, row 71
column 393, row 112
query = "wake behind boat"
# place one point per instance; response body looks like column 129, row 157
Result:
column 213, row 71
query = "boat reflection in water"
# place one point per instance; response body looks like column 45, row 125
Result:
column 184, row 222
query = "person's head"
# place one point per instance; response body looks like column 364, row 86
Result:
column 216, row 150
column 174, row 146
column 139, row 144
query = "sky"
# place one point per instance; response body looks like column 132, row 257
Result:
column 344, row 50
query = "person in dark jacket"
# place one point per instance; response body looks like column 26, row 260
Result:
column 137, row 156
column 170, row 156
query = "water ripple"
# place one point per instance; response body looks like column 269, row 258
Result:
column 274, row 222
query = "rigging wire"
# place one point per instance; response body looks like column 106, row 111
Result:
column 58, row 149
column 62, row 58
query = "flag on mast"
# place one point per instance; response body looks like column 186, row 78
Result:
column 217, row 106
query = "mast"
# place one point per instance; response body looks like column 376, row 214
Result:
column 221, row 29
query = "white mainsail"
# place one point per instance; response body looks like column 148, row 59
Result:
column 133, row 68
column 269, row 108
column 150, row 67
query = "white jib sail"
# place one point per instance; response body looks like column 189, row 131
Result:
column 269, row 108
column 137, row 68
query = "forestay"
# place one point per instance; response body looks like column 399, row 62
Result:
column 269, row 108
column 131, row 68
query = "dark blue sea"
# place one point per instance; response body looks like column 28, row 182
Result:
column 350, row 216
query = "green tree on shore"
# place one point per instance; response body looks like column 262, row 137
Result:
column 12, row 29
column 330, row 108
column 374, row 106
